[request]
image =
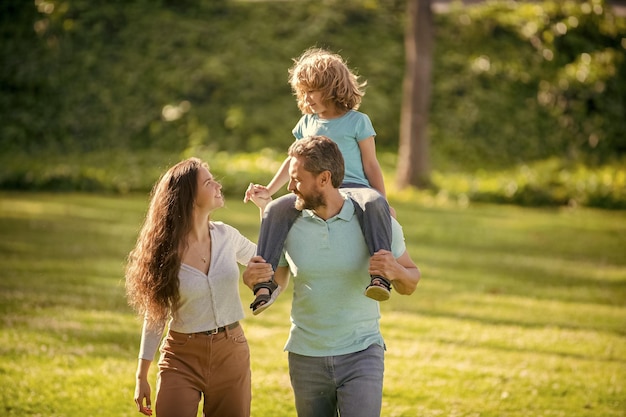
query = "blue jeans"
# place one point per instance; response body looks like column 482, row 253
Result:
column 371, row 208
column 347, row 385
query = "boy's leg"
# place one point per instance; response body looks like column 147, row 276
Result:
column 376, row 224
column 278, row 218
column 375, row 218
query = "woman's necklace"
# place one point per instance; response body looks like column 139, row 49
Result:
column 205, row 258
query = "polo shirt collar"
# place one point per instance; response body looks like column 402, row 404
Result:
column 346, row 213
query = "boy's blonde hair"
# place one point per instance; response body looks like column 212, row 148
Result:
column 319, row 69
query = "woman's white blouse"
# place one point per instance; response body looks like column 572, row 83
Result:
column 207, row 301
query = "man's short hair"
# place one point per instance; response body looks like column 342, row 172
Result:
column 320, row 154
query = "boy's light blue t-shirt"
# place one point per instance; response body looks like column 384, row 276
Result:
column 329, row 263
column 346, row 131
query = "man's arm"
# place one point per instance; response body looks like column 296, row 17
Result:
column 402, row 272
column 281, row 276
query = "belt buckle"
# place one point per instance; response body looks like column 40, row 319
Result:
column 214, row 331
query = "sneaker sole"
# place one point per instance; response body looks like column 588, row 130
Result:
column 377, row 293
column 265, row 306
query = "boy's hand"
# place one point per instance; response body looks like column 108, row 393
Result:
column 256, row 191
column 248, row 195
column 258, row 194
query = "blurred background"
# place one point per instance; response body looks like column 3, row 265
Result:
column 521, row 310
column 94, row 96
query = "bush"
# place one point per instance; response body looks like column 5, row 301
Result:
column 554, row 182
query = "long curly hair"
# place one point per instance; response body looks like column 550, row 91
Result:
column 319, row 69
column 152, row 284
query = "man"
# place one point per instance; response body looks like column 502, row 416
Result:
column 336, row 350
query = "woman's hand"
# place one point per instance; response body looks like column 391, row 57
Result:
column 142, row 392
column 142, row 388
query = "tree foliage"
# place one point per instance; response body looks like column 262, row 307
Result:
column 512, row 81
column 518, row 81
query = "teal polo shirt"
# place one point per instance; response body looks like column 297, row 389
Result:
column 346, row 131
column 329, row 263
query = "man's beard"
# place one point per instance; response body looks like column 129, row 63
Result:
column 311, row 202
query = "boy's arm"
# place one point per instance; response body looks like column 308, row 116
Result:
column 371, row 166
column 280, row 178
column 259, row 195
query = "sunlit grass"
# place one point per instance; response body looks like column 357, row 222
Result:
column 520, row 311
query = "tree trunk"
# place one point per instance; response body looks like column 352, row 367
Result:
column 413, row 157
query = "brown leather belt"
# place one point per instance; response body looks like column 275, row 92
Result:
column 220, row 329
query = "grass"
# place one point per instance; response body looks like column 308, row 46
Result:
column 521, row 312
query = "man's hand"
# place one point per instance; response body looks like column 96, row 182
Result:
column 383, row 263
column 257, row 271
column 402, row 271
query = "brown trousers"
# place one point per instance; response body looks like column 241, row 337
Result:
column 217, row 366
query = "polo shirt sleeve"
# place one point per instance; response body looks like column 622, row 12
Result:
column 283, row 260
column 398, row 245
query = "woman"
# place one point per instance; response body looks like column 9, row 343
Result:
column 184, row 270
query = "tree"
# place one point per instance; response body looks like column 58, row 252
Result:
column 413, row 155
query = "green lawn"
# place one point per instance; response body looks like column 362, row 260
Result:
column 520, row 312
